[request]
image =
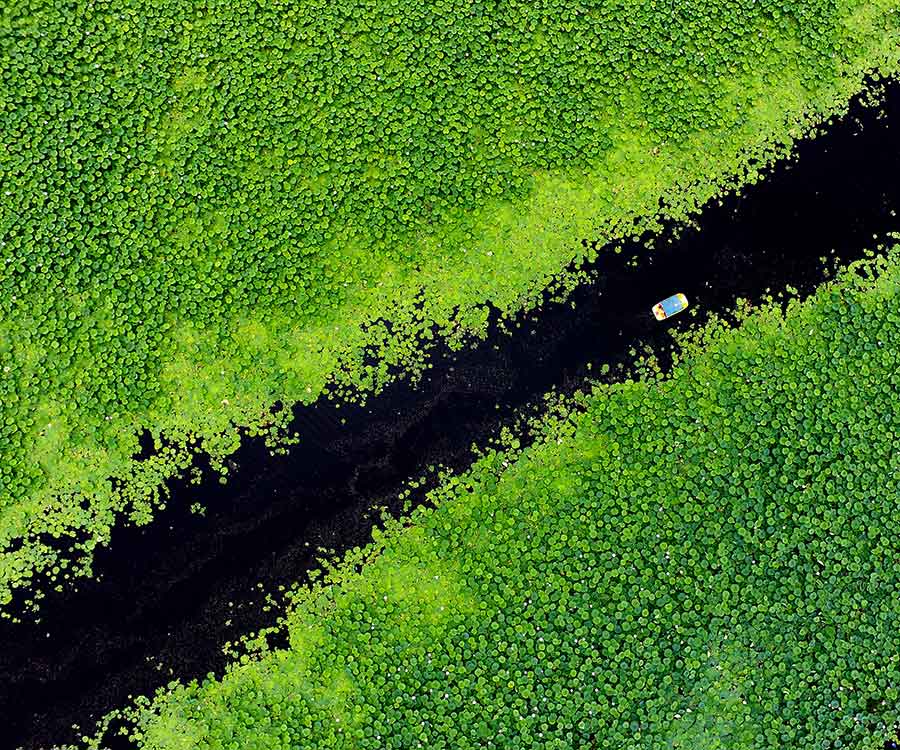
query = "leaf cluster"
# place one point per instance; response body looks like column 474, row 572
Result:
column 200, row 197
column 708, row 560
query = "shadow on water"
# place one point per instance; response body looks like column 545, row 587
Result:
column 170, row 594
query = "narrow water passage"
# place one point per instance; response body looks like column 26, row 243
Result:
column 172, row 593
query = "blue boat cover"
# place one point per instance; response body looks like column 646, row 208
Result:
column 671, row 305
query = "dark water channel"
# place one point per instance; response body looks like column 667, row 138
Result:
column 170, row 594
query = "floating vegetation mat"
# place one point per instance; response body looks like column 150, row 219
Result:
column 210, row 207
column 701, row 559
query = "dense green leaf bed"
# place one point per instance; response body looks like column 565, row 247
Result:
column 703, row 560
column 206, row 203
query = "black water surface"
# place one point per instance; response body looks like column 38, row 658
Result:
column 170, row 594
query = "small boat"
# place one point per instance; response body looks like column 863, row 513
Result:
column 670, row 306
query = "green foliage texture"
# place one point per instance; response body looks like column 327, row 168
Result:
column 702, row 560
column 207, row 205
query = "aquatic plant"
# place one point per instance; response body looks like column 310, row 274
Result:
column 705, row 559
column 207, row 206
